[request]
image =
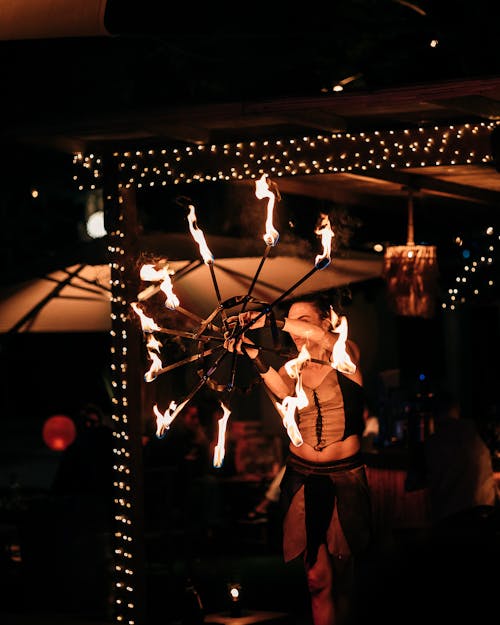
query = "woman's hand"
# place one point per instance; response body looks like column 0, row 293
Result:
column 240, row 345
column 250, row 319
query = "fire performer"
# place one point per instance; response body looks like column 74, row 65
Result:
column 325, row 495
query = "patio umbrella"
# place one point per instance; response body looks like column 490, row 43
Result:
column 74, row 299
column 77, row 298
column 279, row 276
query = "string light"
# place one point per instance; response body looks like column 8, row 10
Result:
column 124, row 563
column 474, row 280
column 292, row 156
column 334, row 153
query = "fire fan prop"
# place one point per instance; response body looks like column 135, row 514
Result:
column 411, row 273
column 210, row 334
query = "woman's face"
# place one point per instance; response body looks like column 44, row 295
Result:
column 305, row 311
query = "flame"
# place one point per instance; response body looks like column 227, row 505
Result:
column 294, row 366
column 326, row 233
column 147, row 323
column 149, row 273
column 291, row 403
column 219, row 451
column 153, row 343
column 153, row 347
column 287, row 410
column 340, row 358
column 199, row 237
column 163, row 420
column 262, row 190
column 172, row 300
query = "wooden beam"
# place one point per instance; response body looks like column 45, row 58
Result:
column 435, row 186
column 320, row 120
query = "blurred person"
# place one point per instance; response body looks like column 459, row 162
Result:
column 179, row 464
column 490, row 430
column 82, row 496
column 449, row 571
column 458, row 472
column 324, row 493
column 188, row 442
column 371, row 430
column 85, row 472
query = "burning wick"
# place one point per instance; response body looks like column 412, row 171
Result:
column 219, row 451
column 262, row 191
column 291, row 403
column 326, row 233
column 206, row 254
column 153, row 347
column 271, row 236
column 148, row 324
column 287, row 410
column 340, row 358
column 163, row 420
column 199, row 237
column 149, row 273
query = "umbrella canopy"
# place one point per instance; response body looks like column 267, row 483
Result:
column 77, row 298
column 280, row 277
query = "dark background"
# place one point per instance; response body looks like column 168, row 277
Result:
column 161, row 57
column 156, row 57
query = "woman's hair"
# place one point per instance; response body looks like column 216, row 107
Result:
column 321, row 301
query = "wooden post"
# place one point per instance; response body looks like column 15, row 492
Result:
column 129, row 570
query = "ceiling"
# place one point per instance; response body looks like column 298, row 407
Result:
column 468, row 189
column 451, row 102
column 134, row 84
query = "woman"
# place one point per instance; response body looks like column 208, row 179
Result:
column 324, row 491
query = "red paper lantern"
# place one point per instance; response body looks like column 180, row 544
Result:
column 58, row 432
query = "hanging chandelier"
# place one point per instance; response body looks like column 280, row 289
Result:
column 411, row 272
